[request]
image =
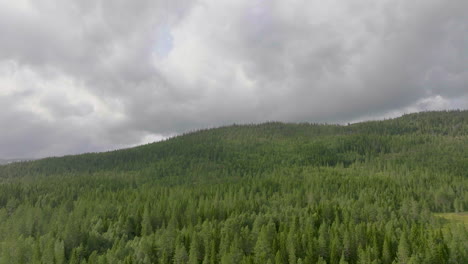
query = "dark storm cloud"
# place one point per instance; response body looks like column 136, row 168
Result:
column 92, row 75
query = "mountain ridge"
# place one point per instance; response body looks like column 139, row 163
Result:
column 447, row 123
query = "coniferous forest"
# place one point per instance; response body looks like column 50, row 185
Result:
column 391, row 191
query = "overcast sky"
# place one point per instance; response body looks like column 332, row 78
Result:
column 93, row 75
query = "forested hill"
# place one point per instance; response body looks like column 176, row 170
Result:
column 391, row 191
column 430, row 138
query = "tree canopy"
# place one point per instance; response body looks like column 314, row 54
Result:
column 371, row 192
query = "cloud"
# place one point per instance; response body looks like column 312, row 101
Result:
column 308, row 60
column 94, row 75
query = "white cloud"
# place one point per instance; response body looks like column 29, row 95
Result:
column 93, row 75
column 432, row 103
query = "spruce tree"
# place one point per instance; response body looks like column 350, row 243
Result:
column 146, row 223
column 180, row 255
column 194, row 253
column 263, row 249
column 343, row 259
column 404, row 252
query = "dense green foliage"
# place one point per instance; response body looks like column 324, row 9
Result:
column 268, row 193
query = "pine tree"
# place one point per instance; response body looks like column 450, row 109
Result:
column 47, row 249
column 386, row 252
column 213, row 258
column 291, row 248
column 404, row 252
column 235, row 251
column 335, row 249
column 263, row 250
column 36, row 254
column 180, row 256
column 75, row 258
column 348, row 249
column 278, row 258
column 93, row 258
column 415, row 260
column 146, row 225
column 321, row 261
column 343, row 259
column 194, row 254
column 323, row 241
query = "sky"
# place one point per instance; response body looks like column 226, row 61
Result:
column 93, row 75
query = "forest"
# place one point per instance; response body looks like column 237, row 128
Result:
column 388, row 191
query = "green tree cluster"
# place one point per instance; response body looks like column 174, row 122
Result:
column 270, row 193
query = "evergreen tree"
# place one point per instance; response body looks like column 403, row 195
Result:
column 404, row 252
column 343, row 259
column 146, row 225
column 321, row 261
column 279, row 258
column 180, row 256
column 263, row 249
column 59, row 252
column 323, row 241
column 194, row 254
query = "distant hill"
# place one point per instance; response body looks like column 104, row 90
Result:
column 390, row 191
column 305, row 143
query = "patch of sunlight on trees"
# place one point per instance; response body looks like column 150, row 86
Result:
column 455, row 217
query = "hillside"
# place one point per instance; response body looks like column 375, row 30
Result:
column 234, row 146
column 368, row 192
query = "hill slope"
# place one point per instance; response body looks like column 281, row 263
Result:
column 268, row 193
column 305, row 144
